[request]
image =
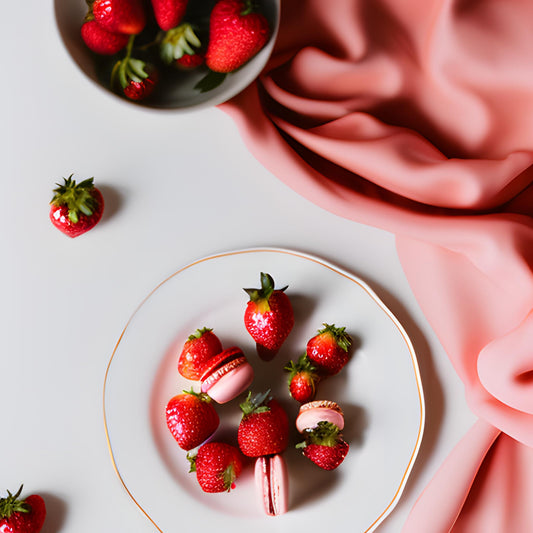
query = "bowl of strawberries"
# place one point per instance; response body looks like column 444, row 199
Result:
column 169, row 54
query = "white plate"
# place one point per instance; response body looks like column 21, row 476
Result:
column 379, row 390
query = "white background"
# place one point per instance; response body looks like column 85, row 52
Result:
column 178, row 187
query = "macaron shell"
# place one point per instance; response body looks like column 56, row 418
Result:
column 272, row 482
column 232, row 384
column 310, row 418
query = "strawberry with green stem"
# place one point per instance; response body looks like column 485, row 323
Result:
column 76, row 207
column 22, row 515
column 191, row 418
column 268, row 317
column 329, row 349
column 303, row 378
column 324, row 445
column 200, row 347
column 181, row 46
column 264, row 426
column 136, row 78
column 237, row 32
column 217, row 466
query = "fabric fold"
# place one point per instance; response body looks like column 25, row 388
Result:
column 416, row 117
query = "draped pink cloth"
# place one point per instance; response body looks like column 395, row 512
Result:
column 416, row 116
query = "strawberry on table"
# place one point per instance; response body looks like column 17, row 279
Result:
column 191, row 419
column 101, row 41
column 268, row 317
column 217, row 466
column 168, row 13
column 329, row 349
column 303, row 379
column 324, row 446
column 200, row 346
column 76, row 207
column 118, row 16
column 264, row 426
column 22, row 515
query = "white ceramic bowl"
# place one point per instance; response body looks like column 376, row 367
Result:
column 176, row 90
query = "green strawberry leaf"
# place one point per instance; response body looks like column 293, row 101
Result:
column 210, row 81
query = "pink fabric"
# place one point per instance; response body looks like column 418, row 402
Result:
column 416, row 116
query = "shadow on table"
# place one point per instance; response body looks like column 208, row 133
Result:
column 56, row 511
column 432, row 388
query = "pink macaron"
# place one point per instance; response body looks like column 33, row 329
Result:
column 226, row 375
column 272, row 482
column 311, row 413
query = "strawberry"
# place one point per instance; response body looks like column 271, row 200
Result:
column 190, row 62
column 22, row 516
column 324, row 446
column 201, row 346
column 217, row 466
column 135, row 78
column 264, row 426
column 168, row 13
column 191, row 418
column 328, row 349
column 179, row 45
column 101, row 41
column 76, row 207
column 268, row 317
column 236, row 34
column 302, row 379
column 118, row 16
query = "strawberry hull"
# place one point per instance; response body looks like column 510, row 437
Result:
column 76, row 208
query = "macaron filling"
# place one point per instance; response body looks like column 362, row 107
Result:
column 272, row 484
column 219, row 360
column 221, row 371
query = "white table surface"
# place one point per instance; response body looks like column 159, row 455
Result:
column 178, row 187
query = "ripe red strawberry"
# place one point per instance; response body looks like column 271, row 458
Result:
column 217, row 466
column 264, row 427
column 168, row 13
column 328, row 349
column 201, row 346
column 76, row 207
column 302, row 379
column 119, row 16
column 180, row 45
column 268, row 317
column 22, row 516
column 101, row 41
column 191, row 418
column 324, row 446
column 190, row 62
column 236, row 34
